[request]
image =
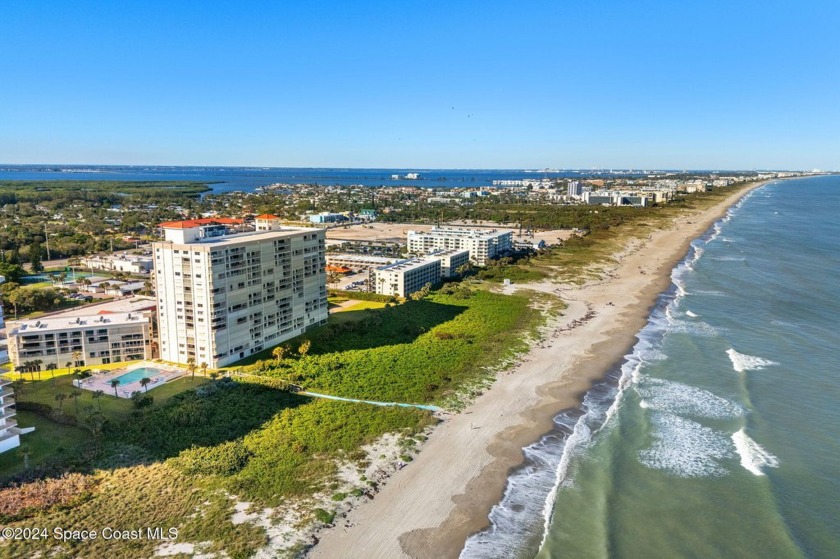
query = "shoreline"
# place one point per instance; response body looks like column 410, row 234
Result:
column 430, row 508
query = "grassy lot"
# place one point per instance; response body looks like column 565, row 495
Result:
column 48, row 440
column 417, row 352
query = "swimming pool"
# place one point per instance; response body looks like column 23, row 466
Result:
column 137, row 374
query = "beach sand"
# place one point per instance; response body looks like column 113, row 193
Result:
column 429, row 508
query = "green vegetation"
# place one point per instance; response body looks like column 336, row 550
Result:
column 417, row 352
column 86, row 225
column 362, row 296
column 203, row 445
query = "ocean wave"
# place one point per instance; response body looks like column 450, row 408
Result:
column 693, row 328
column 729, row 259
column 691, row 314
column 684, row 448
column 742, row 362
column 676, row 397
column 753, row 456
column 530, row 492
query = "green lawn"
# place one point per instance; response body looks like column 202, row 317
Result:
column 48, row 440
column 114, row 408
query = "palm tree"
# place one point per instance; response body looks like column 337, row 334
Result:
column 115, row 382
column 191, row 366
column 203, row 367
column 60, row 397
column 96, row 396
column 214, row 375
column 77, row 356
column 52, row 367
column 304, row 347
column 278, row 353
column 75, row 395
column 144, row 382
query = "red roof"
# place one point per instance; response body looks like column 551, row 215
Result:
column 190, row 223
column 266, row 216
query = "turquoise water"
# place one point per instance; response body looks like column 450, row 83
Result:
column 720, row 435
column 137, row 374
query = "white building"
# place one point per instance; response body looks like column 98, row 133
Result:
column 131, row 264
column 2, row 323
column 327, row 217
column 358, row 262
column 9, row 431
column 224, row 297
column 450, row 261
column 4, row 351
column 406, row 276
column 81, row 341
column 482, row 244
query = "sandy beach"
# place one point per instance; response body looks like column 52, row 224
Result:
column 429, row 508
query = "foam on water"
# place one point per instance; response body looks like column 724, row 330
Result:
column 530, row 491
column 676, row 397
column 693, row 328
column 691, row 314
column 684, row 448
column 753, row 456
column 742, row 362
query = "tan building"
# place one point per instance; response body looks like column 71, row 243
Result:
column 81, row 341
column 223, row 297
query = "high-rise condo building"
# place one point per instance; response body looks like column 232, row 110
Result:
column 223, row 297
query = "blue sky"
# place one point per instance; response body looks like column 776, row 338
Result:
column 457, row 84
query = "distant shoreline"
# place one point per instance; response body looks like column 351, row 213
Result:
column 430, row 508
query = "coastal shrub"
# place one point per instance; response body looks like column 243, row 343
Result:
column 46, row 411
column 319, row 429
column 413, row 353
column 23, row 501
column 362, row 296
column 223, row 460
column 339, row 496
column 323, row 516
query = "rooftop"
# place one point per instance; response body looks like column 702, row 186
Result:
column 249, row 236
column 403, row 265
column 130, row 304
column 462, row 232
column 190, row 223
column 74, row 323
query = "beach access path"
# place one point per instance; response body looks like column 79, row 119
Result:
column 430, row 507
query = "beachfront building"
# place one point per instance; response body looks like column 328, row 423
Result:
column 483, row 244
column 358, row 262
column 450, row 261
column 80, row 341
column 4, row 351
column 9, row 431
column 405, row 277
column 223, row 297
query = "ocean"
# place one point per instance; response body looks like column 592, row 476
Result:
column 719, row 436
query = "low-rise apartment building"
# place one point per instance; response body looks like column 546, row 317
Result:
column 483, row 244
column 450, row 261
column 81, row 341
column 405, row 277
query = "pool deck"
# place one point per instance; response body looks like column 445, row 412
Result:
column 102, row 380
